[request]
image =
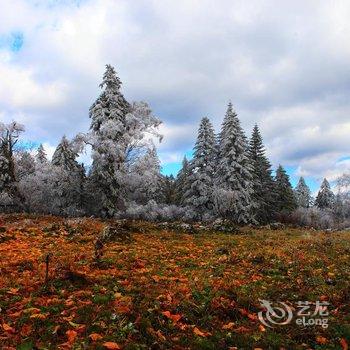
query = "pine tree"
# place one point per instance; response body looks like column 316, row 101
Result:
column 201, row 179
column 41, row 156
column 65, row 157
column 263, row 184
column 117, row 135
column 168, row 189
column 182, row 183
column 303, row 194
column 234, row 190
column 325, row 197
column 146, row 178
column 108, row 116
column 285, row 199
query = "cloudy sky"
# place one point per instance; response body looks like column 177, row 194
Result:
column 283, row 64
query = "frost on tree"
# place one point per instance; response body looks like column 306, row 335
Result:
column 118, row 132
column 9, row 135
column 234, row 183
column 303, row 194
column 263, row 184
column 325, row 197
column 41, row 156
column 145, row 178
column 199, row 196
column 182, row 182
column 285, row 199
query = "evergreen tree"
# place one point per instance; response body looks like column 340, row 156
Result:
column 65, row 157
column 303, row 194
column 41, row 157
column 182, row 183
column 117, row 136
column 234, row 191
column 325, row 197
column 146, row 178
column 168, row 189
column 201, row 179
column 263, row 183
column 285, row 199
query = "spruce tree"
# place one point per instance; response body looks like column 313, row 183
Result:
column 285, row 199
column 325, row 197
column 41, row 157
column 108, row 114
column 117, row 135
column 65, row 157
column 234, row 182
column 201, row 179
column 263, row 184
column 182, row 182
column 303, row 194
column 168, row 190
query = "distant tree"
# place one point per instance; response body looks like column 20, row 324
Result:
column 25, row 164
column 263, row 184
column 234, row 192
column 325, row 197
column 201, row 178
column 168, row 190
column 65, row 156
column 41, row 156
column 182, row 182
column 303, row 194
column 285, row 199
column 145, row 178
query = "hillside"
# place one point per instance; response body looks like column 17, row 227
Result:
column 148, row 286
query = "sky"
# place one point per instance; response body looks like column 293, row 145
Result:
column 283, row 65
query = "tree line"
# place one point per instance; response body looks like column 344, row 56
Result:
column 229, row 176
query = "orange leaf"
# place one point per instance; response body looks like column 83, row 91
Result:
column 200, row 333
column 160, row 335
column 228, row 326
column 71, row 335
column 111, row 346
column 8, row 328
column 344, row 344
column 321, row 340
column 95, row 336
column 172, row 317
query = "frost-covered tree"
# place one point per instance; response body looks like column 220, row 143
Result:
column 41, row 156
column 145, row 179
column 325, row 197
column 285, row 199
column 9, row 136
column 263, row 184
column 199, row 195
column 234, row 183
column 117, row 133
column 24, row 165
column 65, row 156
column 303, row 194
column 182, row 182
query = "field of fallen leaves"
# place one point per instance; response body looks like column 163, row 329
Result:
column 156, row 288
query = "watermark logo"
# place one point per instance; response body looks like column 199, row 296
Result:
column 304, row 314
column 275, row 315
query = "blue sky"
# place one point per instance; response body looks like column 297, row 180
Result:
column 284, row 65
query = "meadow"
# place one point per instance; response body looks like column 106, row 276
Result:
column 152, row 286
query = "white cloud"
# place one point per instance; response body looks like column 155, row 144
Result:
column 283, row 65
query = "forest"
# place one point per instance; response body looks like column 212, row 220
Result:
column 228, row 178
